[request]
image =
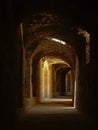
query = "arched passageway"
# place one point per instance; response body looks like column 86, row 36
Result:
column 50, row 62
column 55, row 81
column 21, row 54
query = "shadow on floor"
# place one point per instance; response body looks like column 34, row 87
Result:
column 54, row 117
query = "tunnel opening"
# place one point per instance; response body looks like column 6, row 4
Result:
column 53, row 78
column 50, row 81
column 46, row 44
column 20, row 75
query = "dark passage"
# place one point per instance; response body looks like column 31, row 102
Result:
column 27, row 30
column 54, row 117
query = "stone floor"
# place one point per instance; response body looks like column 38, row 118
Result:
column 50, row 117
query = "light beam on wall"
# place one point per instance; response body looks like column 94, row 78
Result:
column 57, row 40
column 46, row 64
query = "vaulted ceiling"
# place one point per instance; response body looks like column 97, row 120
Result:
column 40, row 29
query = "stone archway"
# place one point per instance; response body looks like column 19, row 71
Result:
column 45, row 40
column 49, row 56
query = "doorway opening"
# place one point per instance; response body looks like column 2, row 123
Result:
column 56, row 80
